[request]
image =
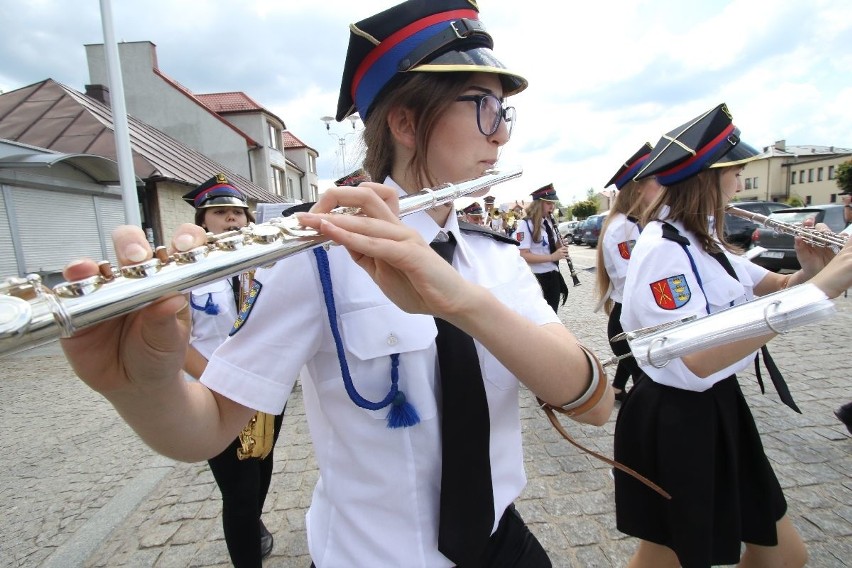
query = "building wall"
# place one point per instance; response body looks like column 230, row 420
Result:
column 774, row 177
column 151, row 99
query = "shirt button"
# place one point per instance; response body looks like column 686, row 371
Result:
column 392, row 339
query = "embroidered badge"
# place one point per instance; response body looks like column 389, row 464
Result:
column 625, row 248
column 519, row 236
column 671, row 293
column 246, row 308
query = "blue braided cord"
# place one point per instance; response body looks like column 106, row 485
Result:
column 697, row 276
column 325, row 279
column 208, row 308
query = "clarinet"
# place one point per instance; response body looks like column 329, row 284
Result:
column 567, row 258
column 32, row 314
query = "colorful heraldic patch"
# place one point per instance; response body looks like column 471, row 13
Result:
column 671, row 293
column 246, row 308
column 625, row 248
column 519, row 235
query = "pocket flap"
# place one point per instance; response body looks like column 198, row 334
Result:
column 379, row 331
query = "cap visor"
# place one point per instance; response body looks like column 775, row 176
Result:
column 476, row 60
column 740, row 154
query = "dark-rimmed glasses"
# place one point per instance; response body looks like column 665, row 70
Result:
column 489, row 112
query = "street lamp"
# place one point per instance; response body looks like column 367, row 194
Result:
column 341, row 138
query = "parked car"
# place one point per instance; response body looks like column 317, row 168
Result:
column 579, row 229
column 566, row 229
column 592, row 230
column 738, row 231
column 780, row 253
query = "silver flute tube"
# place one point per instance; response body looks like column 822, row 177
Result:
column 32, row 314
column 813, row 237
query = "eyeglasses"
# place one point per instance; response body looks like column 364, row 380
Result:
column 489, row 112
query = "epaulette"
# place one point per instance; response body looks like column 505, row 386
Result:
column 471, row 228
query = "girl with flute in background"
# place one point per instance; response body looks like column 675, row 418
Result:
column 618, row 236
column 431, row 94
column 686, row 425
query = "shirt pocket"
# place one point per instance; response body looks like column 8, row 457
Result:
column 371, row 335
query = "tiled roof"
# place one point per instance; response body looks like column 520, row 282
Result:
column 229, row 102
column 53, row 116
column 291, row 141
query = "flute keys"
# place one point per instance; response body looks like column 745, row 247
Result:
column 230, row 243
column 141, row 270
column 265, row 234
column 192, row 255
column 78, row 288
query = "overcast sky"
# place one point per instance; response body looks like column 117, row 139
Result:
column 604, row 76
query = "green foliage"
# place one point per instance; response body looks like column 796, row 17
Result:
column 843, row 176
column 795, row 201
column 583, row 209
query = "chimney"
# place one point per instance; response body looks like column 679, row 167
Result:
column 99, row 93
column 781, row 145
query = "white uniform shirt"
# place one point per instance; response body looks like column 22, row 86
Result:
column 523, row 234
column 377, row 499
column 209, row 331
column 618, row 242
column 659, row 272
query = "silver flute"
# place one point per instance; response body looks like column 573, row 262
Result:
column 32, row 314
column 811, row 236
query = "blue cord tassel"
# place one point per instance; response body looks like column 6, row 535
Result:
column 402, row 414
column 208, row 308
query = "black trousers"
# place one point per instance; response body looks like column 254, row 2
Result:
column 550, row 287
column 244, row 485
column 626, row 367
column 511, row 546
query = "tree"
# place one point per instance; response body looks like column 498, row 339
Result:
column 843, row 176
column 583, row 209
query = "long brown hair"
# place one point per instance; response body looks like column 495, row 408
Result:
column 535, row 215
column 692, row 202
column 427, row 95
column 629, row 203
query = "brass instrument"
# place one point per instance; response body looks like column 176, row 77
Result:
column 811, row 236
column 32, row 314
column 574, row 276
column 258, row 436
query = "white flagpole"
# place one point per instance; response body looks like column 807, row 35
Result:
column 119, row 120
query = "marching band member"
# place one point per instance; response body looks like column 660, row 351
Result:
column 618, row 236
column 474, row 214
column 389, row 325
column 244, row 483
column 687, row 425
column 540, row 245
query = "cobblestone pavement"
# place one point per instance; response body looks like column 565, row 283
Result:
column 77, row 488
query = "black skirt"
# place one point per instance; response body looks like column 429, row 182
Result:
column 704, row 449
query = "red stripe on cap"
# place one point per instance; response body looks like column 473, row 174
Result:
column 401, row 35
column 698, row 155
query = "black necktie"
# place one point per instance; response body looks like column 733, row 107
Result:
column 774, row 373
column 467, row 499
column 235, row 287
column 551, row 238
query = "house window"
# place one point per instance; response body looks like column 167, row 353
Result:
column 807, row 200
column 748, row 183
column 314, row 192
column 819, row 174
column 832, row 198
column 290, row 192
column 274, row 137
column 830, row 172
column 801, row 176
column 792, row 178
column 279, row 179
column 754, row 183
column 312, row 163
column 810, row 175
